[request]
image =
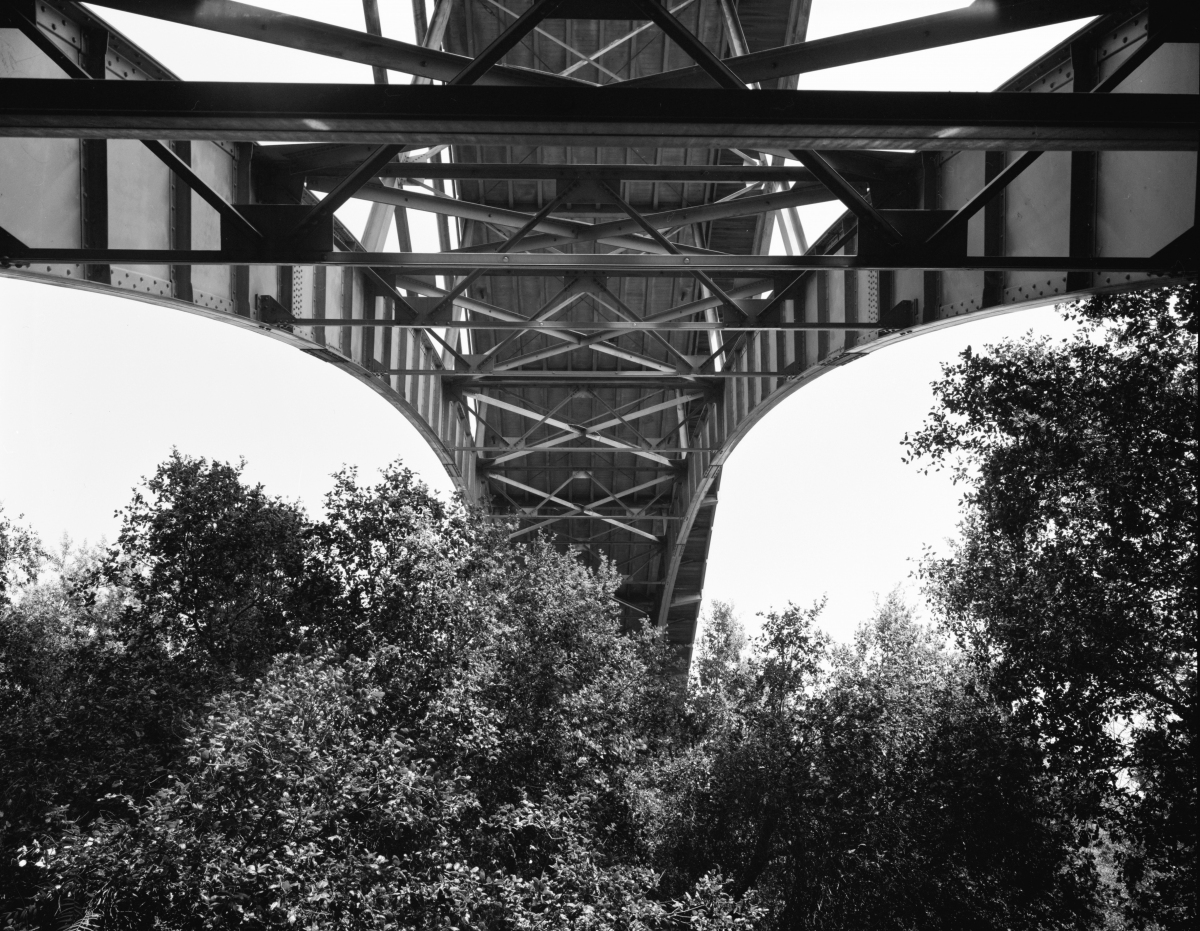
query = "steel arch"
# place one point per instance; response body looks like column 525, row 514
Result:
column 609, row 325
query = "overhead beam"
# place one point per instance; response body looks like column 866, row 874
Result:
column 317, row 158
column 601, row 517
column 576, row 340
column 558, row 229
column 485, row 448
column 615, row 264
column 597, row 379
column 606, row 326
column 596, row 116
column 178, row 167
column 979, row 21
column 309, row 35
column 681, row 174
column 572, row 432
column 589, row 509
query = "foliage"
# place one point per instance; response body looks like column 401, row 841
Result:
column 723, row 642
column 394, row 717
column 209, row 566
column 110, row 656
column 21, row 556
column 868, row 787
column 1074, row 582
column 459, row 742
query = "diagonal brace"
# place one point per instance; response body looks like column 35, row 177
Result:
column 503, row 43
column 177, row 165
column 672, row 248
column 1149, row 46
column 574, row 507
column 588, row 509
column 350, row 185
column 508, row 245
column 721, row 73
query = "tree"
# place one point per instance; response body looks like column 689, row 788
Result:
column 867, row 786
column 109, row 657
column 1074, row 581
column 210, row 566
column 722, row 643
column 460, row 741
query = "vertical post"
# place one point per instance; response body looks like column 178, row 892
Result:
column 1084, row 167
column 286, row 274
column 822, row 313
column 242, row 195
column 345, row 340
column 181, row 224
column 887, row 292
column 320, row 277
column 929, row 201
column 993, row 229
column 386, row 335
column 370, row 298
column 93, row 167
column 93, row 183
column 850, row 290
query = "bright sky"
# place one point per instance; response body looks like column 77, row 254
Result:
column 96, row 390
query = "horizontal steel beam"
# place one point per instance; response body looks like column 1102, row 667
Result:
column 615, row 264
column 423, row 115
column 631, row 326
column 683, row 174
column 564, row 377
column 797, row 196
column 644, row 380
column 552, row 518
column 493, row 448
column 318, row 158
column 558, row 229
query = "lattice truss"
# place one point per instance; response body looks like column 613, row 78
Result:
column 604, row 319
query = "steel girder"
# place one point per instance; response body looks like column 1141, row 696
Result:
column 607, row 324
column 651, row 118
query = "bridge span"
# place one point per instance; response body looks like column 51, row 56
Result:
column 603, row 321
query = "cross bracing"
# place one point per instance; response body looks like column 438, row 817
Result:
column 604, row 319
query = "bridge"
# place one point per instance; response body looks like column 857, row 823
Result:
column 604, row 320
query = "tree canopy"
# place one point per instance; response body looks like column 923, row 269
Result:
column 392, row 716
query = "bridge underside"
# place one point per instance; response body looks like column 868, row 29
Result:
column 604, row 319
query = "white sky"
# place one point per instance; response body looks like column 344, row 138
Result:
column 95, row 390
